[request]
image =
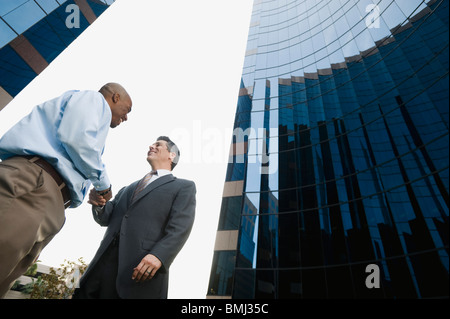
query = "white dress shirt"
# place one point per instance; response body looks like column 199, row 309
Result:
column 161, row 173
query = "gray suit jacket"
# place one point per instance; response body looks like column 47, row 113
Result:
column 158, row 222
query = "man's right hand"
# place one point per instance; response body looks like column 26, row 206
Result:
column 97, row 200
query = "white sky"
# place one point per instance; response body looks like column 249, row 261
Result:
column 181, row 61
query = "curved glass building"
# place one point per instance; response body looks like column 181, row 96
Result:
column 338, row 179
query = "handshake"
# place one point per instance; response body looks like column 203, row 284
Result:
column 100, row 198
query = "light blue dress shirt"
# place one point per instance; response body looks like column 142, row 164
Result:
column 69, row 132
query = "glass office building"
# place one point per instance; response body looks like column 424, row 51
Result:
column 34, row 32
column 337, row 184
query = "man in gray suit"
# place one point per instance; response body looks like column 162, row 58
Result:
column 148, row 223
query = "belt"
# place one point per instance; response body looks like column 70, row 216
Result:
column 55, row 175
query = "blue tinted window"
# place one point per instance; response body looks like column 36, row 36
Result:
column 48, row 5
column 23, row 17
column 15, row 74
column 97, row 8
column 7, row 6
column 6, row 34
column 221, row 279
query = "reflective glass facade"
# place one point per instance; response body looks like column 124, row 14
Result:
column 34, row 32
column 340, row 154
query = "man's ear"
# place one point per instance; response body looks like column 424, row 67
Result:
column 115, row 97
column 172, row 156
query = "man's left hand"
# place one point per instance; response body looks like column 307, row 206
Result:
column 147, row 268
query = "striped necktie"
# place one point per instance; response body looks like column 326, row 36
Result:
column 143, row 183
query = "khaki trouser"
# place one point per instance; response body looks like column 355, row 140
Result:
column 31, row 214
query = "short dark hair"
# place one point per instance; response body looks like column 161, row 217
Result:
column 171, row 147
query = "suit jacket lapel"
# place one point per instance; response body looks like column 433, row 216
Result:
column 160, row 181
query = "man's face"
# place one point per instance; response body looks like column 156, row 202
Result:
column 159, row 153
column 121, row 107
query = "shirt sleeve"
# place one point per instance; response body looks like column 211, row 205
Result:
column 83, row 130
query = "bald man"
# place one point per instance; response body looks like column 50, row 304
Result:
column 49, row 160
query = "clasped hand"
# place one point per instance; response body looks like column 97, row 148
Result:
column 99, row 200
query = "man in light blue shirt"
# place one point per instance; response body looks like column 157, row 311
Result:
column 49, row 160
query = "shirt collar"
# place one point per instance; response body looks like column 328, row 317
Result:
column 163, row 172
